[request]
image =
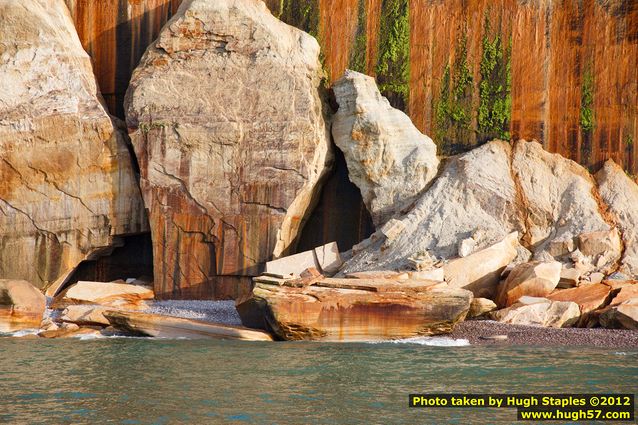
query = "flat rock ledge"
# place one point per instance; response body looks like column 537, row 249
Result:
column 160, row 326
column 353, row 309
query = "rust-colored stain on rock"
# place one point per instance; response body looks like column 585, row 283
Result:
column 556, row 46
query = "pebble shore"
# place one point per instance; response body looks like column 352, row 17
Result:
column 484, row 332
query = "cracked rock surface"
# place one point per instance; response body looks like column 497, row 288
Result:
column 226, row 115
column 67, row 186
column 559, row 210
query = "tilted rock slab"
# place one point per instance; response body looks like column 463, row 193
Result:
column 474, row 190
column 534, row 279
column 67, row 186
column 355, row 309
column 620, row 193
column 388, row 158
column 496, row 189
column 227, row 122
column 481, row 272
column 160, row 326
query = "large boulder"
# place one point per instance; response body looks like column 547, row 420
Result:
column 534, row 279
column 534, row 311
column 355, row 309
column 67, row 185
column 620, row 193
column 588, row 297
column 226, row 116
column 621, row 316
column 481, row 272
column 388, row 158
column 21, row 305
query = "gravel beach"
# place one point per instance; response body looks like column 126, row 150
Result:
column 487, row 332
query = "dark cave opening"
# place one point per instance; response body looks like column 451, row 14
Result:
column 340, row 214
column 133, row 258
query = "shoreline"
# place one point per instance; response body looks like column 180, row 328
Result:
column 479, row 333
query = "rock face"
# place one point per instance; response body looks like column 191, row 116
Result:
column 552, row 202
column 355, row 309
column 534, row 279
column 67, row 186
column 227, row 122
column 620, row 193
column 388, row 158
column 466, row 196
column 175, row 327
column 539, row 312
column 558, row 200
column 21, row 305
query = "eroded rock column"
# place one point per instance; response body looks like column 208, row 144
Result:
column 227, row 119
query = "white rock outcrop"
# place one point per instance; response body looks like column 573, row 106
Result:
column 388, row 158
column 620, row 193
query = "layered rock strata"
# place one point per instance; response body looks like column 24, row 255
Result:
column 226, row 115
column 67, row 185
column 354, row 309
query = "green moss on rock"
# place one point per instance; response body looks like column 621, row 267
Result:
column 358, row 55
column 453, row 108
column 495, row 99
column 587, row 121
column 393, row 66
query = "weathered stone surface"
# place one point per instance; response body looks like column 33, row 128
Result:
column 602, row 247
column 555, row 314
column 324, row 258
column 620, row 193
column 481, row 272
column 569, row 278
column 67, row 186
column 85, row 315
column 174, row 327
column 388, row 158
column 622, row 316
column 355, row 309
column 105, row 293
column 534, row 279
column 588, row 297
column 625, row 293
column 466, row 197
column 228, row 126
column 481, row 306
column 21, row 305
column 558, row 198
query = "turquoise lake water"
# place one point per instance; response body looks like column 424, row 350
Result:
column 143, row 381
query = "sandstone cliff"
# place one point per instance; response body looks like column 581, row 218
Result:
column 226, row 116
column 67, row 185
column 562, row 72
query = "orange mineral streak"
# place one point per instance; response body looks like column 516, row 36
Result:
column 554, row 44
column 116, row 33
column 338, row 27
